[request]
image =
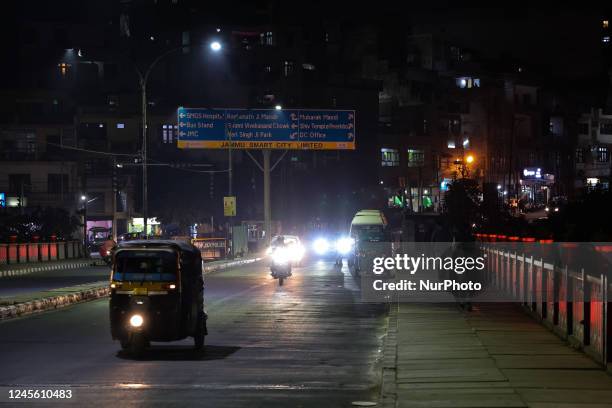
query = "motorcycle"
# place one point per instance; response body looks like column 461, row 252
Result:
column 280, row 266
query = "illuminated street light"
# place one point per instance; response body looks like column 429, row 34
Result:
column 83, row 198
column 143, row 77
column 469, row 159
column 215, row 46
column 278, row 107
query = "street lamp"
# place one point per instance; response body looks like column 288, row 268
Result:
column 278, row 107
column 469, row 159
column 84, row 201
column 143, row 79
column 215, row 46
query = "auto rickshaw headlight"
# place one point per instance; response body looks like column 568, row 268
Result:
column 136, row 320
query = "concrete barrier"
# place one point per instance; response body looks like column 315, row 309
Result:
column 25, row 269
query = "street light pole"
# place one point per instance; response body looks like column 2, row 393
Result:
column 143, row 79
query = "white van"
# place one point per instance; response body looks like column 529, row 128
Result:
column 368, row 226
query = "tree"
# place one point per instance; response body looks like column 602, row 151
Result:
column 462, row 207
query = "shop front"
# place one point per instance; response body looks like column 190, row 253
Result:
column 536, row 186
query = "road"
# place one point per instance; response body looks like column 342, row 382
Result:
column 53, row 279
column 308, row 343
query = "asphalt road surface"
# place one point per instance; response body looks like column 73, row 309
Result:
column 308, row 343
column 54, row 279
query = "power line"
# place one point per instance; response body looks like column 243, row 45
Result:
column 133, row 155
column 90, row 151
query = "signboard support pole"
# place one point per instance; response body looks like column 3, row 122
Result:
column 114, row 195
column 267, row 209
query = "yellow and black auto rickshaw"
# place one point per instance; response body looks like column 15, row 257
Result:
column 157, row 294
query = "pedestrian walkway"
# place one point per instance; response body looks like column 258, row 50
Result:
column 493, row 356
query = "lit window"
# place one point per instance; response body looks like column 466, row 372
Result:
column 63, row 68
column 288, row 68
column 603, row 155
column 389, row 157
column 466, row 143
column 120, row 125
column 169, row 133
column 606, row 39
column 416, row 158
column 308, row 67
column 592, row 182
column 605, row 23
column 266, row 38
column 451, row 144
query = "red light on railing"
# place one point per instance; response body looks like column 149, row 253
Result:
column 513, row 238
column 569, row 245
column 528, row 239
column 546, row 241
column 501, row 237
column 603, row 248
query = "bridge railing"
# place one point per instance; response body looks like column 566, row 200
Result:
column 575, row 303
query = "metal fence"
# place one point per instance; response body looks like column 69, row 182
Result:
column 575, row 304
column 16, row 253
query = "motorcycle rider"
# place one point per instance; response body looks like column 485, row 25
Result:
column 106, row 249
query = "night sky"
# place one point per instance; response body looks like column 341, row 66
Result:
column 561, row 40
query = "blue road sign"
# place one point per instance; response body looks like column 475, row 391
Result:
column 266, row 129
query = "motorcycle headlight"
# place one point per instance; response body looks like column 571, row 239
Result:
column 136, row 320
column 281, row 256
column 320, row 246
column 344, row 245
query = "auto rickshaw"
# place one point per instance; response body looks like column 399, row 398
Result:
column 157, row 294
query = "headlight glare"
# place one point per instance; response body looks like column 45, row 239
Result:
column 320, row 246
column 136, row 320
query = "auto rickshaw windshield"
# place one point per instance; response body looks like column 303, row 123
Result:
column 145, row 266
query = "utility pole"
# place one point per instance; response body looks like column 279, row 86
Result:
column 114, row 195
column 143, row 90
column 21, row 197
column 267, row 209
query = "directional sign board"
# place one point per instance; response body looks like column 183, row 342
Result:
column 266, row 129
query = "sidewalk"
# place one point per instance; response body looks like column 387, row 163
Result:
column 494, row 356
column 42, row 300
